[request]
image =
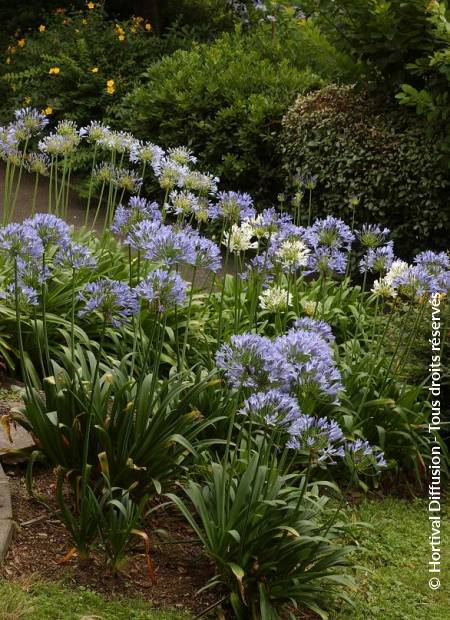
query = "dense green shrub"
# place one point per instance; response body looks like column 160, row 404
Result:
column 361, row 146
column 78, row 64
column 226, row 100
column 404, row 47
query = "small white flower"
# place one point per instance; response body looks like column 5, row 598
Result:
column 383, row 288
column 239, row 238
column 275, row 299
column 398, row 268
column 293, row 253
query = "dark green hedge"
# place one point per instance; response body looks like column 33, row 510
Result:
column 358, row 145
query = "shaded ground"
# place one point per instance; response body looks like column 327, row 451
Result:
column 76, row 210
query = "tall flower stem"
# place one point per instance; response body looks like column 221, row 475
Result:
column 44, row 315
column 91, row 185
column 188, row 317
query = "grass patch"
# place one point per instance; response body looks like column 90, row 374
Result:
column 45, row 601
column 397, row 553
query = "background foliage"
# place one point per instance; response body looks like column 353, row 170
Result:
column 226, row 100
column 361, row 145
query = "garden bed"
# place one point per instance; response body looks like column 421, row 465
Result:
column 41, row 542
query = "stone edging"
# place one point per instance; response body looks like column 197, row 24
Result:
column 6, row 522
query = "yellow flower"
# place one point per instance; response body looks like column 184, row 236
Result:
column 8, row 61
column 41, row 28
column 84, row 22
column 110, row 87
column 48, row 110
column 90, row 5
column 94, row 70
column 13, row 49
column 27, row 100
column 148, row 27
column 119, row 29
column 54, row 70
column 21, row 42
column 121, row 37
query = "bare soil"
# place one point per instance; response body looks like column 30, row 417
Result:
column 41, row 543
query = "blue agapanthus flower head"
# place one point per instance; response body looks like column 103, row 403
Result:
column 50, row 229
column 441, row 283
column 141, row 234
column 378, row 260
column 170, row 247
column 113, row 299
column 322, row 439
column 182, row 202
column 327, row 261
column 247, row 361
column 30, row 122
column 147, row 153
column 330, row 232
column 363, row 456
column 170, row 174
column 309, row 368
column 32, row 273
column 162, row 290
column 433, row 262
column 207, row 254
column 273, row 408
column 413, row 282
column 138, row 210
column 20, row 242
column 26, row 295
column 268, row 223
column 373, row 236
column 322, row 328
column 232, row 207
column 75, row 256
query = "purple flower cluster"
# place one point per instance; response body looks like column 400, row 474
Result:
column 364, row 457
column 162, row 290
column 169, row 246
column 300, row 362
column 50, row 229
column 320, row 438
column 273, row 408
column 138, row 210
column 233, row 207
column 373, row 236
column 330, row 232
column 114, row 300
column 378, row 260
column 308, row 365
column 20, row 242
column 76, row 257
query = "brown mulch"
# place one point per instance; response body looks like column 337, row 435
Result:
column 181, row 569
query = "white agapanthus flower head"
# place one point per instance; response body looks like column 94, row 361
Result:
column 275, row 299
column 293, row 253
column 383, row 288
column 397, row 269
column 239, row 238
